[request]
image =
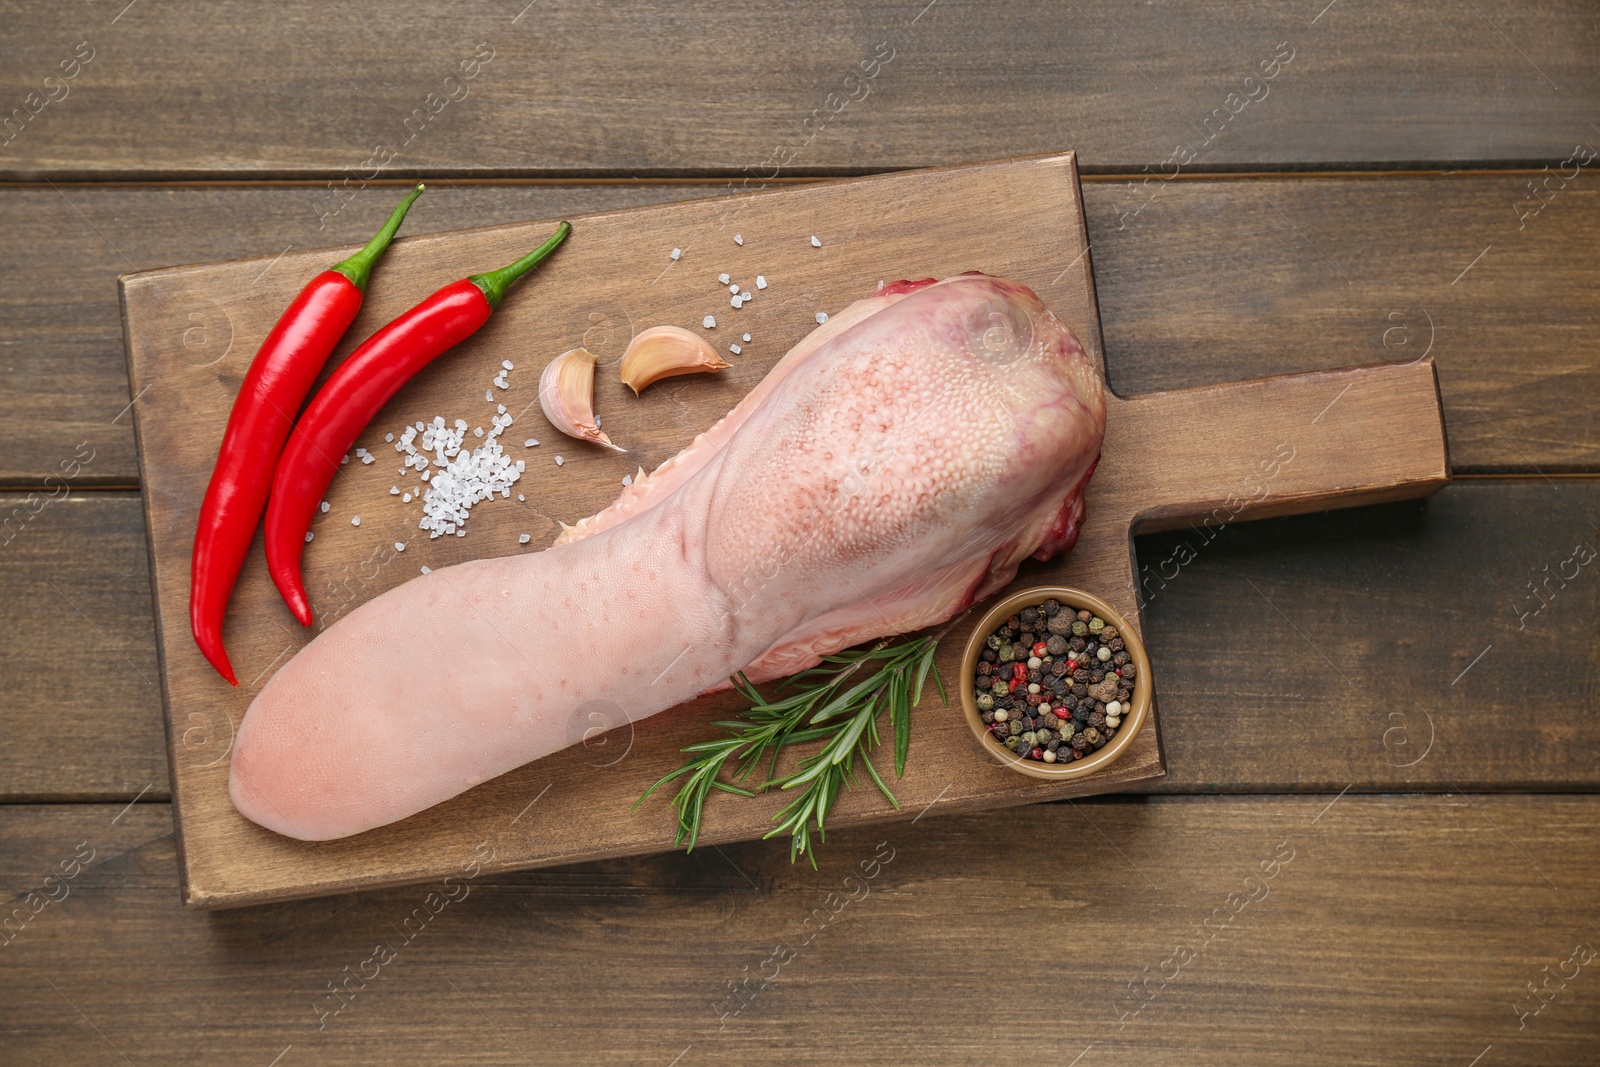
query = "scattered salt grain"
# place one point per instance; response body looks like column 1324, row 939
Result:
column 627, row 480
column 677, row 253
column 524, row 539
column 735, row 302
column 520, row 497
column 747, row 338
column 734, row 288
column 325, row 507
column 822, row 317
column 735, row 349
column 478, row 432
column 355, row 520
column 488, row 394
column 399, row 546
column 814, row 242
column 427, row 570
column 738, row 239
column 709, row 322
column 761, row 281
column 309, row 536
column 405, row 498
column 388, row 437
column 506, row 364
column 723, row 277
column 394, row 490
column 560, row 461
column 532, row 442
column 344, row 459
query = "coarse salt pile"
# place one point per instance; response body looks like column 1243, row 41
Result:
column 464, row 478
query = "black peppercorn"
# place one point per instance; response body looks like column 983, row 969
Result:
column 1052, row 606
column 1027, row 639
column 1081, row 713
column 989, row 655
column 1081, row 675
column 985, row 668
column 1055, row 743
column 1013, row 624
column 1029, row 616
column 1091, row 735
column 1079, row 742
column 1097, row 718
column 1080, row 690
column 1120, row 658
column 1129, row 670
column 1115, row 644
column 1084, row 615
column 1108, row 634
column 1059, row 667
column 1056, row 646
column 1069, row 702
column 1060, row 624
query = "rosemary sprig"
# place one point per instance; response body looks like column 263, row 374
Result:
column 837, row 702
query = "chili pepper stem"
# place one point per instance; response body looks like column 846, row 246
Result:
column 358, row 268
column 495, row 283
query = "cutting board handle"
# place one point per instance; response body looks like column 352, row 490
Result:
column 1218, row 454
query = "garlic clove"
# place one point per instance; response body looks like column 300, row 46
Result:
column 566, row 393
column 665, row 351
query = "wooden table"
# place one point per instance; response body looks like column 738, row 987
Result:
column 1377, row 842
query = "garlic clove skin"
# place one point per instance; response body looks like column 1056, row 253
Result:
column 664, row 351
column 566, row 393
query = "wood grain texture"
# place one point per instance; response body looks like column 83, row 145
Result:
column 80, row 693
column 1388, row 605
column 1391, row 929
column 1207, row 284
column 569, row 88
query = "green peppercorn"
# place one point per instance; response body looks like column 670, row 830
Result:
column 1096, row 624
column 1014, row 727
column 985, row 702
column 1079, row 629
column 1008, row 653
column 993, row 641
column 1068, row 728
column 1000, row 688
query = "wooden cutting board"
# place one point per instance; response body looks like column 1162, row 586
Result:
column 1210, row 455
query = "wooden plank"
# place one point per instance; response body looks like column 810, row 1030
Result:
column 1221, row 280
column 303, row 90
column 1422, row 568
column 1034, row 203
column 80, row 696
column 1206, row 284
column 1420, row 644
column 66, row 379
column 1359, row 930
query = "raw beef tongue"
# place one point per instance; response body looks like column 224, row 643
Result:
column 893, row 468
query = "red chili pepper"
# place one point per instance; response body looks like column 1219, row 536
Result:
column 361, row 385
column 273, row 389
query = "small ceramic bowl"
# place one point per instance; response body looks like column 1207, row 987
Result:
column 1132, row 720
